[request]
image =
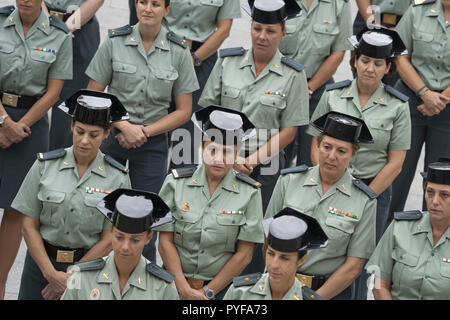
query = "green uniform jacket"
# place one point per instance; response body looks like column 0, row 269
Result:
column 351, row 235
column 143, row 82
column 427, row 38
column 66, row 205
column 317, row 33
column 26, row 63
column 386, row 116
column 277, row 98
column 207, row 228
column 103, row 284
column 406, row 257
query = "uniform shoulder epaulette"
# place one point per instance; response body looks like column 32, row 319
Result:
column 159, row 272
column 185, row 172
column 7, row 10
column 54, row 154
column 247, row 179
column 420, row 2
column 365, row 188
column 116, row 164
column 230, row 52
column 309, row 294
column 301, row 168
column 292, row 64
column 55, row 22
column 338, row 85
column 408, row 215
column 91, row 265
column 172, row 36
column 247, row 280
column 122, row 31
column 396, row 93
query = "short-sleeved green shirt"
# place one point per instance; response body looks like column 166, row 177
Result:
column 103, row 284
column 261, row 291
column 26, row 63
column 386, row 116
column 197, row 19
column 207, row 228
column 143, row 82
column 407, row 258
column 66, row 205
column 427, row 38
column 277, row 98
column 347, row 236
column 317, row 33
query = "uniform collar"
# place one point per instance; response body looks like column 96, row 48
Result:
column 423, row 225
column 350, row 92
column 229, row 182
column 274, row 65
column 138, row 278
column 433, row 10
column 42, row 23
column 378, row 97
column 12, row 19
column 344, row 184
column 97, row 166
column 262, row 287
column 109, row 273
column 161, row 40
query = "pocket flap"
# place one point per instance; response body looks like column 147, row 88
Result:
column 41, row 56
column 231, row 219
column 92, row 201
column 124, row 67
column 326, row 29
column 273, row 101
column 6, row 47
column 188, row 217
column 230, row 92
column 51, row 196
column 404, row 257
column 215, row 3
column 445, row 269
column 162, row 74
column 422, row 36
column 341, row 224
column 381, row 124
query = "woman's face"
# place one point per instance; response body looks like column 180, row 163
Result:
column 128, row 246
column 334, row 157
column 87, row 139
column 370, row 71
column 151, row 12
column 29, row 7
column 266, row 38
column 282, row 266
column 218, row 159
column 437, row 197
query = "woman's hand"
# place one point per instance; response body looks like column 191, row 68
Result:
column 193, row 294
column 242, row 165
column 131, row 135
column 57, row 283
column 15, row 131
column 433, row 103
column 4, row 141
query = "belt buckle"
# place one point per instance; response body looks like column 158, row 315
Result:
column 57, row 14
column 10, row 100
column 189, row 42
column 195, row 283
column 389, row 19
column 305, row 280
column 64, row 256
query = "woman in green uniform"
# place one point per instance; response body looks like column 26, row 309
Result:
column 35, row 59
column 217, row 212
column 144, row 66
column 125, row 274
column 289, row 234
column 412, row 260
column 59, row 195
column 343, row 206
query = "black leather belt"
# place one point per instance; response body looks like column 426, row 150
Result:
column 313, row 282
column 61, row 15
column 193, row 45
column 64, row 255
column 17, row 101
column 390, row 19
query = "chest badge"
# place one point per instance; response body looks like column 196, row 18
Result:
column 95, row 294
column 240, row 212
column 36, row 48
column 92, row 190
column 446, row 260
column 275, row 93
column 342, row 213
column 326, row 21
column 185, row 207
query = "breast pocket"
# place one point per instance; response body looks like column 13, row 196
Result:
column 125, row 76
column 402, row 272
column 291, row 41
column 323, row 38
column 52, row 206
column 184, row 227
column 445, row 274
column 41, row 61
column 91, row 220
column 381, row 132
column 230, row 225
column 422, row 47
column 230, row 97
column 161, row 83
column 268, row 113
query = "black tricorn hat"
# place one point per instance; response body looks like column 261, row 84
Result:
column 343, row 127
column 379, row 43
column 438, row 172
column 134, row 211
column 272, row 11
column 233, row 126
column 94, row 107
column 291, row 230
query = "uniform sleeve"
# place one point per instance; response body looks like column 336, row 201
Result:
column 321, row 109
column 362, row 242
column 62, row 67
column 171, row 293
column 167, row 194
column 100, row 68
column 381, row 262
column 213, row 89
column 26, row 200
column 187, row 79
column 401, row 131
column 231, row 294
column 405, row 28
column 231, row 9
column 277, row 200
column 297, row 108
column 252, row 230
column 341, row 42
